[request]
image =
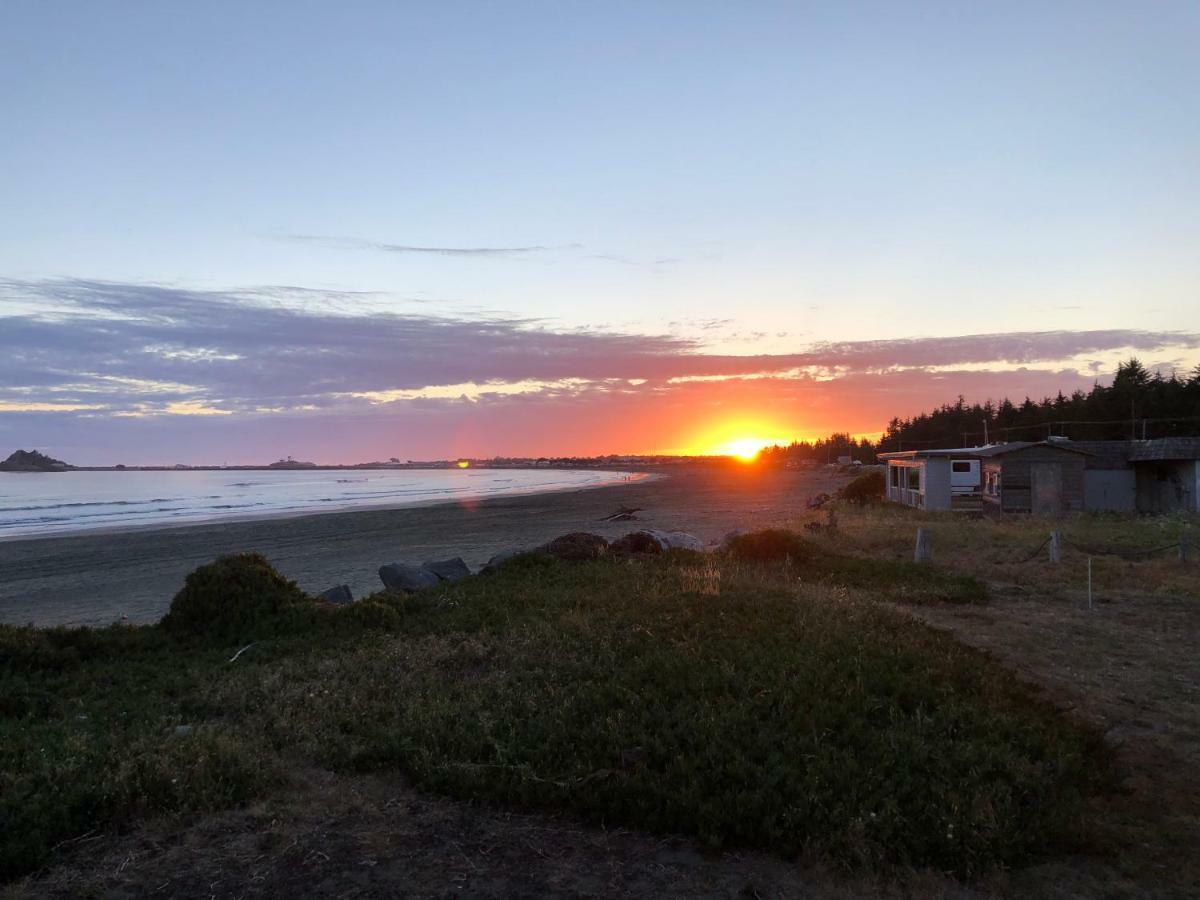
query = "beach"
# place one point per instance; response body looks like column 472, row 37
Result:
column 98, row 578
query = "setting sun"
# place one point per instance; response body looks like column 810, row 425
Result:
column 743, row 448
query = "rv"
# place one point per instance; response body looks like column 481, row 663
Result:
column 964, row 477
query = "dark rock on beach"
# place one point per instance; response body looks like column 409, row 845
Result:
column 676, row 540
column 448, row 569
column 401, row 577
column 498, row 560
column 636, row 543
column 577, row 546
column 339, row 594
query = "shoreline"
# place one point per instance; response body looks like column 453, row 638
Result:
column 97, row 579
column 336, row 509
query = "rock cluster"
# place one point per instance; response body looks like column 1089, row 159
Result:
column 577, row 546
column 405, row 577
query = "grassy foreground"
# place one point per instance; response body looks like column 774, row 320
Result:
column 747, row 700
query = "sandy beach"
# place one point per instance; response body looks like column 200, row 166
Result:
column 96, row 578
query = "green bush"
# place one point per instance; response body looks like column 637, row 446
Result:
column 770, row 545
column 374, row 612
column 237, row 597
column 867, row 488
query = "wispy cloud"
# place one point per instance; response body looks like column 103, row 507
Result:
column 349, row 243
column 113, row 354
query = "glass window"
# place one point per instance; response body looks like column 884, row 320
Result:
column 914, row 478
column 961, row 466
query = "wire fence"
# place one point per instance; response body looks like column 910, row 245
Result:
column 1056, row 541
column 1129, row 553
column 1037, row 551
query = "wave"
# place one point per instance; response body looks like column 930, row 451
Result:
column 85, row 503
column 84, row 507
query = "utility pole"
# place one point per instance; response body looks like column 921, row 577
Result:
column 985, row 434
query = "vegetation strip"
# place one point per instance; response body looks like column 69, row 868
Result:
column 758, row 698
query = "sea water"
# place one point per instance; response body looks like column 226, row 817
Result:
column 35, row 503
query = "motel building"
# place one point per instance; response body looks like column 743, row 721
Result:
column 1050, row 477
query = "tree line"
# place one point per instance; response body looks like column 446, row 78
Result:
column 1138, row 404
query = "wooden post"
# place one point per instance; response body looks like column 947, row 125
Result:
column 1090, row 583
column 1183, row 549
column 922, row 552
column 1055, row 548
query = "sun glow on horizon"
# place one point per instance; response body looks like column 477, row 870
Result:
column 745, row 449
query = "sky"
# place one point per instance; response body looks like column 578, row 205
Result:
column 231, row 232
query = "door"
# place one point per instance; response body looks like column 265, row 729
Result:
column 1046, row 489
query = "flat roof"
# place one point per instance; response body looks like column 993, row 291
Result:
column 961, row 452
column 984, row 452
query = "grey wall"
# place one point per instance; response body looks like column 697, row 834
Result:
column 1114, row 489
column 1167, row 486
column 937, row 483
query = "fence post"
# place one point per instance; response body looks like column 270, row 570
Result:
column 1055, row 548
column 1090, row 583
column 1183, row 548
column 922, row 552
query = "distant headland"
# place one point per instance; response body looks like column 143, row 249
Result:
column 32, row 461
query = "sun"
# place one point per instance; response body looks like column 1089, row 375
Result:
column 745, row 449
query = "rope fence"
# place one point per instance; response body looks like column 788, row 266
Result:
column 1055, row 541
column 1130, row 553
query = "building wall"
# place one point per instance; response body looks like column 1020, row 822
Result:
column 934, row 480
column 1168, row 486
column 936, row 483
column 1109, row 489
column 1016, row 477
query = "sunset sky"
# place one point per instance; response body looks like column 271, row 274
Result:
column 348, row 231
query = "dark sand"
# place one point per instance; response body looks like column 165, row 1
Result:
column 96, row 578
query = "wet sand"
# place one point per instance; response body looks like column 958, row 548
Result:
column 95, row 579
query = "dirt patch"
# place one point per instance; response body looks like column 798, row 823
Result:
column 334, row 836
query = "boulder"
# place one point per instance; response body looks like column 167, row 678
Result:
column 401, row 577
column 498, row 560
column 339, row 594
column 448, row 569
column 681, row 540
column 636, row 543
column 676, row 540
column 731, row 536
column 577, row 546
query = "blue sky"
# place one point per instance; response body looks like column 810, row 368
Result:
column 751, row 178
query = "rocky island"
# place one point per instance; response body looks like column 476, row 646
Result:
column 32, row 461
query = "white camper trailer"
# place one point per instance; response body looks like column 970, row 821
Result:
column 964, row 477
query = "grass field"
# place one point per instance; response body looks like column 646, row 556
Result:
column 770, row 703
column 1128, row 552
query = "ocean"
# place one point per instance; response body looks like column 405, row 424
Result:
column 35, row 504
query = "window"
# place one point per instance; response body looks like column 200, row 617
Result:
column 961, row 465
column 914, row 478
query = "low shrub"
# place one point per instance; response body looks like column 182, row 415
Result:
column 236, row 597
column 374, row 612
column 866, row 488
column 635, row 543
column 749, row 711
column 769, row 545
column 577, row 546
